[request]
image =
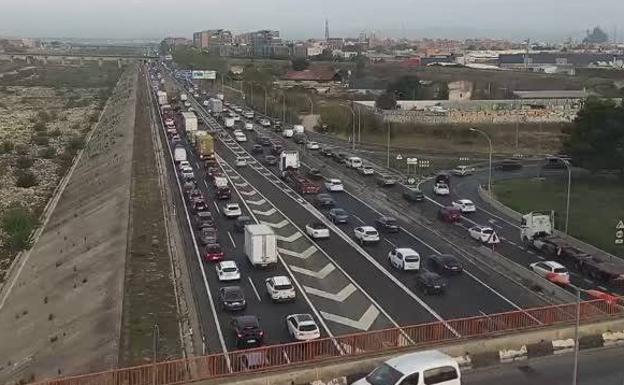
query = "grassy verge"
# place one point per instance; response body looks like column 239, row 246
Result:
column 596, row 205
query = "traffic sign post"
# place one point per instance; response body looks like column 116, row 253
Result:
column 492, row 240
column 619, row 233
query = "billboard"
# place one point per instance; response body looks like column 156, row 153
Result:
column 210, row 75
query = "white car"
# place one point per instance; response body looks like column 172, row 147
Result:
column 238, row 109
column 441, row 189
column 232, row 210
column 334, row 185
column 464, row 205
column 240, row 137
column 279, row 288
column 265, row 122
column 404, row 258
column 206, row 103
column 551, row 270
column 248, row 114
column 288, row 133
column 187, row 172
column 483, row 234
column 366, row 234
column 227, row 271
column 236, row 118
column 249, row 126
column 366, row 170
column 463, row 170
column 312, row 146
column 184, row 164
column 302, row 327
column 317, row 230
column 187, row 104
column 240, row 162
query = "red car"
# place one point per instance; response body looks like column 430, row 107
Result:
column 199, row 205
column 449, row 214
column 214, row 253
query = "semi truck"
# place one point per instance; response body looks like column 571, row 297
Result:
column 215, row 105
column 289, row 161
column 204, row 145
column 190, row 122
column 289, row 165
column 537, row 231
column 260, row 245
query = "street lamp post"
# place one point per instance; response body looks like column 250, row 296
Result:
column 352, row 124
column 567, row 164
column 265, row 97
column 311, row 103
column 576, row 334
column 388, row 147
column 490, row 143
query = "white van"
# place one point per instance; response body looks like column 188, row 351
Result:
column 288, row 133
column 421, row 368
column 354, row 162
column 249, row 126
column 298, row 129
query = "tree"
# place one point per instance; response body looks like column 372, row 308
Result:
column 17, row 223
column 300, row 64
column 360, row 65
column 406, row 87
column 596, row 138
column 386, row 101
column 597, row 36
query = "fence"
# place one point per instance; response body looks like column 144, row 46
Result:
column 278, row 356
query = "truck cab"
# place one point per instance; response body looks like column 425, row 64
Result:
column 288, row 161
column 535, row 225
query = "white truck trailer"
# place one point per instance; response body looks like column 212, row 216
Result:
column 260, row 245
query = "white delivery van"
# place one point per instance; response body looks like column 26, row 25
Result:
column 354, row 162
column 249, row 126
column 298, row 129
column 260, row 245
column 179, row 154
column 229, row 122
column 421, row 368
column 288, row 133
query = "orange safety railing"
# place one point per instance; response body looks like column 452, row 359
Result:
column 277, row 356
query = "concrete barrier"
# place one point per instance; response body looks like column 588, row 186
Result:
column 508, row 355
column 613, row 338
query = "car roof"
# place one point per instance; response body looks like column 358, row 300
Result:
column 247, row 320
column 464, row 201
column 387, row 218
column 406, row 251
column 228, row 264
column 368, row 228
column 334, row 180
column 232, row 288
column 553, row 264
column 281, row 280
column 419, row 361
column 303, row 319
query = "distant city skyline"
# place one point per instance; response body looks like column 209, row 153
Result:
column 298, row 19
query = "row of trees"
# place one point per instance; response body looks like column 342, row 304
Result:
column 409, row 87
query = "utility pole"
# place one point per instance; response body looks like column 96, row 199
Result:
column 387, row 147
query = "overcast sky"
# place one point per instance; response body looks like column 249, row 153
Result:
column 297, row 19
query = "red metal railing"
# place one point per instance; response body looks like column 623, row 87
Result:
column 276, row 356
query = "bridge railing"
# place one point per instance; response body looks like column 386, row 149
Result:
column 279, row 356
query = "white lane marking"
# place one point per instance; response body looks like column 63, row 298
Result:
column 257, row 203
column 602, row 288
column 248, row 193
column 205, row 183
column 244, row 184
column 540, row 257
column 254, row 289
column 390, row 243
column 232, row 239
column 290, row 238
column 217, row 207
column 278, row 225
column 197, row 165
column 588, row 280
column 341, row 296
column 364, row 323
column 265, row 213
column 511, row 242
column 321, row 274
column 358, row 218
column 302, row 255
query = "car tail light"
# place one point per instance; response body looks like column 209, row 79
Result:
column 239, row 335
column 261, row 333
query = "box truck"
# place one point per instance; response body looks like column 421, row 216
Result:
column 205, row 146
column 260, row 245
column 190, row 121
column 229, row 122
column 215, row 105
column 179, row 154
column 162, row 97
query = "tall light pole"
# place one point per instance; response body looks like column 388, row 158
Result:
column 490, row 143
column 265, row 97
column 567, row 164
column 352, row 124
column 311, row 103
column 388, row 146
column 576, row 334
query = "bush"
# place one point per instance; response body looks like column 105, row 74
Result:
column 6, row 147
column 39, row 126
column 25, row 179
column 41, row 139
column 75, row 144
column 23, row 162
column 18, row 222
column 47, row 152
column 55, row 133
column 21, row 149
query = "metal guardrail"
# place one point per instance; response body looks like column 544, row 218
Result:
column 281, row 356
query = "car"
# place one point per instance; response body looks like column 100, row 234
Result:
column 338, row 215
column 249, row 127
column 509, row 165
column 248, row 114
column 247, row 331
column 445, row 264
column 334, row 185
column 265, row 122
column 223, row 193
column 413, row 195
column 386, row 181
column 299, row 138
column 241, row 222
column 213, row 252
column 208, row 235
column 263, row 141
column 183, row 164
column 270, row 160
column 236, row 117
column 339, row 157
column 176, row 138
column 317, row 230
column 240, row 161
column 232, row 298
column 366, row 234
column 430, row 282
column 313, row 146
column 203, row 219
column 276, row 148
column 280, row 289
column 327, row 151
column 227, row 271
column 257, row 149
column 189, row 184
column 366, row 170
column 441, row 189
column 199, row 205
column 462, row 170
column 404, row 258
column 449, row 214
column 194, row 195
column 551, row 270
column 302, row 327
column 238, row 109
column 240, row 137
column 464, row 205
column 187, row 173
column 483, row 234
column 187, row 104
column 232, row 210
column 387, row 224
column 314, row 173
column 324, row 200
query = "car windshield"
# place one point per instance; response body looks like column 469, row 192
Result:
column 339, row 212
column 487, row 231
column 412, row 258
column 384, row 375
column 370, row 232
column 233, row 295
column 307, row 328
column 285, row 286
column 230, row 269
column 560, row 270
column 213, row 248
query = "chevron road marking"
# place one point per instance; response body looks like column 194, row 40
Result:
column 303, row 255
column 321, row 274
column 364, row 323
column 289, row 239
column 266, row 213
column 276, row 225
column 341, row 296
column 256, row 203
column 244, row 184
column 248, row 193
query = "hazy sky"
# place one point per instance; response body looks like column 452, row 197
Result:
column 538, row 19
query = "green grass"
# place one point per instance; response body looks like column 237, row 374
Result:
column 596, row 205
